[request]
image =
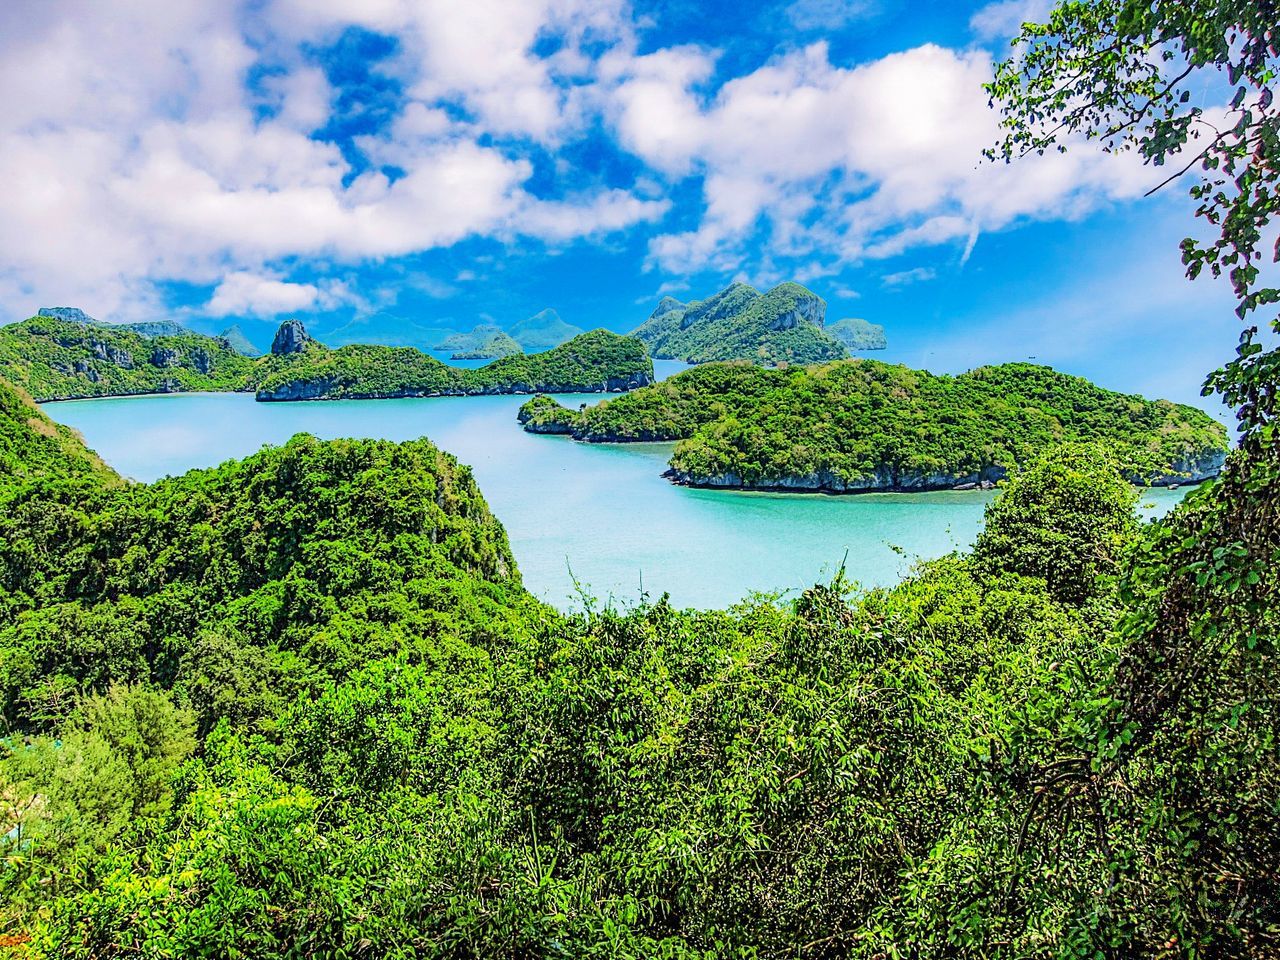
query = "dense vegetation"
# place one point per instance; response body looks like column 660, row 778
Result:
column 860, row 424
column 592, row 362
column 55, row 359
column 740, row 323
column 60, row 359
column 498, row 345
column 858, row 334
column 299, row 705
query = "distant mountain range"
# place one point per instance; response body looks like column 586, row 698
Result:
column 543, row 331
column 784, row 325
column 151, row 328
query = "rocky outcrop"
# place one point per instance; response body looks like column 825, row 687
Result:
column 112, row 354
column 806, row 308
column 165, row 357
column 1190, row 469
column 69, row 314
column 201, row 360
column 290, row 338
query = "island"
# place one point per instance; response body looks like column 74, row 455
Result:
column 782, row 326
column 859, row 335
column 498, row 345
column 540, row 332
column 54, row 358
column 858, row 426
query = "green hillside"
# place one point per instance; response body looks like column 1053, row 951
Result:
column 859, row 425
column 858, row 335
column 784, row 325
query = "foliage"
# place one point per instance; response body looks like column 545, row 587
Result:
column 592, row 362
column 1065, row 520
column 57, row 359
column 498, row 345
column 861, row 424
column 1129, row 74
column 739, row 323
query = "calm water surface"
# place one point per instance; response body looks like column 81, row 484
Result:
column 599, row 513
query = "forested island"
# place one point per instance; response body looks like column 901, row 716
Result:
column 860, row 425
column 784, row 325
column 56, row 358
column 303, row 699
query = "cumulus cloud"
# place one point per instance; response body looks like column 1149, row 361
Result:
column 248, row 294
column 133, row 150
column 847, row 163
column 144, row 141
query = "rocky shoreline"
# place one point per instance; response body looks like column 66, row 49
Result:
column 1192, row 470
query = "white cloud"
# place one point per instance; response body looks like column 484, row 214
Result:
column 848, row 163
column 905, row 277
column 248, row 294
column 131, row 150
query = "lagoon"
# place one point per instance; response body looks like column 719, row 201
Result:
column 591, row 516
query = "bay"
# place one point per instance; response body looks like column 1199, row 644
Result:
column 583, row 519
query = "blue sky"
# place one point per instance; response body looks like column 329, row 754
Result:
column 397, row 162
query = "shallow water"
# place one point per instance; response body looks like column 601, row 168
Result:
column 602, row 514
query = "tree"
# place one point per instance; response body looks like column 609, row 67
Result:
column 1126, row 73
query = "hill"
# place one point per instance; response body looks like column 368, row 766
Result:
column 592, row 363
column 543, row 331
column 859, row 334
column 860, row 425
column 498, row 345
column 238, row 342
column 55, row 359
column 472, row 339
column 784, row 325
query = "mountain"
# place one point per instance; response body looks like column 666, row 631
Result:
column 543, row 331
column 470, row 340
column 596, row 362
column 239, row 342
column 498, row 345
column 69, row 314
column 56, row 359
column 859, row 334
column 861, row 425
column 784, row 325
column 386, row 329
column 146, row 328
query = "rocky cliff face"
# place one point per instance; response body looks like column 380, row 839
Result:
column 1194, row 469
column 290, row 338
column 69, row 314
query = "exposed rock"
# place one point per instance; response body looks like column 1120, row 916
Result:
column 201, row 360
column 86, row 369
column 808, row 308
column 1188, row 470
column 69, row 314
column 165, row 357
column 105, row 351
column 290, row 338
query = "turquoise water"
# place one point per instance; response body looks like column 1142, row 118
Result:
column 599, row 513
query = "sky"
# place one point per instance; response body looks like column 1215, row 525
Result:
column 378, row 164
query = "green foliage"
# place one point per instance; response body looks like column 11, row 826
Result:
column 1066, row 520
column 862, row 424
column 592, row 362
column 739, row 323
column 1063, row 745
column 57, row 359
column 1131, row 74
